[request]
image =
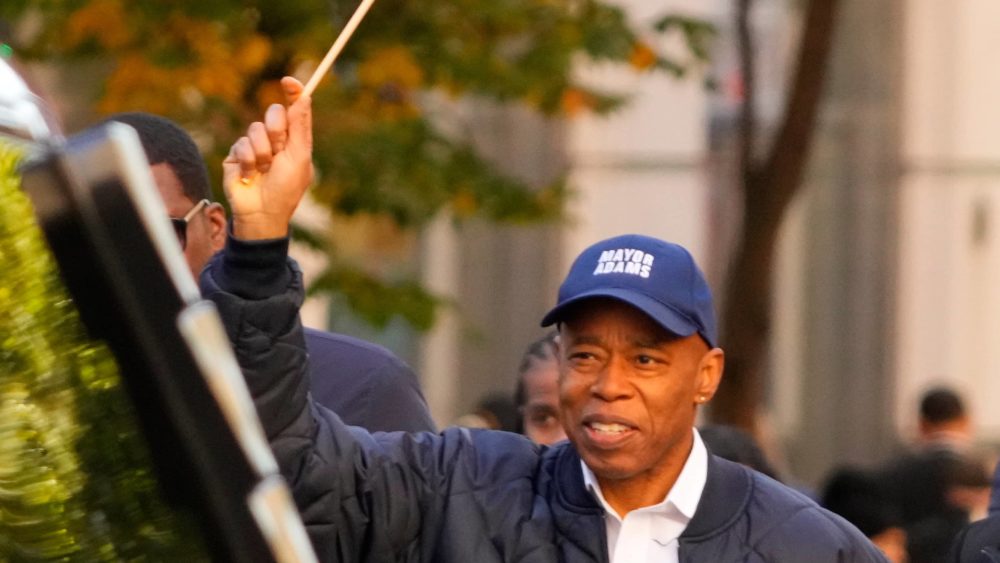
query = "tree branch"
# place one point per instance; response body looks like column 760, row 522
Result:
column 767, row 190
column 748, row 115
column 786, row 159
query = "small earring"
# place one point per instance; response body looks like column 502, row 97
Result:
column 701, row 398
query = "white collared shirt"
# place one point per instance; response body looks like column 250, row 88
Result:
column 650, row 533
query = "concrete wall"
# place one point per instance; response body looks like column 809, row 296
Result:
column 949, row 250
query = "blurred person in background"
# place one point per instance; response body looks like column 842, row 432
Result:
column 537, row 393
column 735, row 444
column 494, row 411
column 941, row 485
column 366, row 384
column 944, row 422
column 979, row 542
column 860, row 498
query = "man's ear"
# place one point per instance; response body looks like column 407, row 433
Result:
column 709, row 374
column 216, row 215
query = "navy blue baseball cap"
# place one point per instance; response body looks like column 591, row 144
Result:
column 659, row 278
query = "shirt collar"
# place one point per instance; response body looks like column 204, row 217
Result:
column 684, row 495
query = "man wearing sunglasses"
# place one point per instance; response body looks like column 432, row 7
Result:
column 181, row 225
column 365, row 384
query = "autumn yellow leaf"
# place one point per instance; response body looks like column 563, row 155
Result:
column 253, row 53
column 137, row 85
column 464, row 204
column 388, row 80
column 642, row 56
column 391, row 64
column 574, row 101
column 100, row 20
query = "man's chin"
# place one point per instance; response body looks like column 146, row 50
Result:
column 608, row 469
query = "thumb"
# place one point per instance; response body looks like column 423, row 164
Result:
column 292, row 89
column 299, row 118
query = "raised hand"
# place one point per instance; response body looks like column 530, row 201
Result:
column 269, row 170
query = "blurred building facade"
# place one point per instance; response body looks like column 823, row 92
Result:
column 949, row 238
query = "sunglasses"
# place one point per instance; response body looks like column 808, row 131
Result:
column 181, row 225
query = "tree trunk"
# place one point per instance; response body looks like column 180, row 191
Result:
column 768, row 187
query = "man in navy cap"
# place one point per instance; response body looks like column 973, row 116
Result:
column 634, row 483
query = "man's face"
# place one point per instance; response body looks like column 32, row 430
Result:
column 206, row 231
column 541, row 405
column 629, row 391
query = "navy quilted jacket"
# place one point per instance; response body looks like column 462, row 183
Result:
column 467, row 496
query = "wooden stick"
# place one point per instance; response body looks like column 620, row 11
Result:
column 338, row 46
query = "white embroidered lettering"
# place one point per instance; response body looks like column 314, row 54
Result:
column 625, row 261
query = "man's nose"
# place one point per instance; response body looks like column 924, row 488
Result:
column 612, row 382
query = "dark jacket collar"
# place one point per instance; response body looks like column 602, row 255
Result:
column 580, row 519
column 569, row 482
column 727, row 492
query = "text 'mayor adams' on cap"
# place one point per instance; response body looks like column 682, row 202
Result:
column 659, row 278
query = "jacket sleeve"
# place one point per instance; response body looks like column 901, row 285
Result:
column 841, row 542
column 362, row 497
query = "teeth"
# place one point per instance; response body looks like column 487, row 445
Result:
column 612, row 428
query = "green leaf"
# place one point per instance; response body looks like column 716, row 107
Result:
column 377, row 301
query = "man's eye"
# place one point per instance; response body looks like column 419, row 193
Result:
column 544, row 419
column 644, row 360
column 541, row 417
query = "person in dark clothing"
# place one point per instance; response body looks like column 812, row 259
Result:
column 858, row 496
column 494, row 410
column 365, row 384
column 979, row 542
column 943, row 418
column 638, row 357
column 937, row 485
column 734, row 444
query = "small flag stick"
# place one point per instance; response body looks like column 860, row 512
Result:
column 338, row 46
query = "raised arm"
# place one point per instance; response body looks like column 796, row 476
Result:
column 362, row 498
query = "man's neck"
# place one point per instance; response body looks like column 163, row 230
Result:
column 647, row 488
